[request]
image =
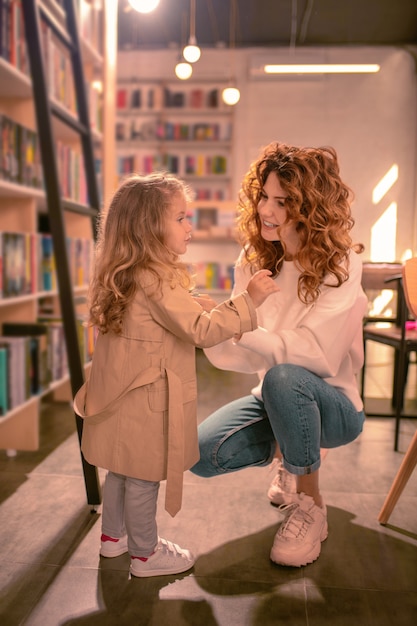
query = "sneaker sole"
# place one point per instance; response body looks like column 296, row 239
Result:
column 312, row 556
column 160, row 572
column 110, row 555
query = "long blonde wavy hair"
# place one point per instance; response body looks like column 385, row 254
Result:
column 131, row 240
column 318, row 201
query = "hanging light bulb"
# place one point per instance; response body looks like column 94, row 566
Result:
column 144, row 6
column 231, row 95
column 183, row 70
column 192, row 52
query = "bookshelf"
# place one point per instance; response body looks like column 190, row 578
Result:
column 213, row 249
column 29, row 289
column 186, row 129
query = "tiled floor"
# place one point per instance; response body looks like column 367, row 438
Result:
column 51, row 573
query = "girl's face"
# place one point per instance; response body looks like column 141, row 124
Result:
column 273, row 214
column 177, row 226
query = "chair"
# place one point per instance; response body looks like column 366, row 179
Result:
column 376, row 278
column 410, row 459
column 395, row 334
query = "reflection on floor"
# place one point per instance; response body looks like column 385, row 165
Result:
column 51, row 573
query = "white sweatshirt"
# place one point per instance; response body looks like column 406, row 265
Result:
column 324, row 337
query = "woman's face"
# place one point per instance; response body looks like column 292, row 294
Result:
column 273, row 214
column 177, row 226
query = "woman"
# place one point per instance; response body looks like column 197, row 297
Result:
column 295, row 220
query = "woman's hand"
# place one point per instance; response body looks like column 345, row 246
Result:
column 261, row 286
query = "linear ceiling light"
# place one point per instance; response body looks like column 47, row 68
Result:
column 323, row 68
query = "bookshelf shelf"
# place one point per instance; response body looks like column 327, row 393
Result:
column 8, row 189
column 186, row 144
column 14, row 83
column 198, row 238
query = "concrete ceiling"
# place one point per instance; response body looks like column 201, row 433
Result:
column 265, row 23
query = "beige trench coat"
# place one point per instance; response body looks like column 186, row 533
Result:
column 139, row 404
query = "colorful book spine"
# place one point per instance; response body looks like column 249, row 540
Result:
column 4, row 379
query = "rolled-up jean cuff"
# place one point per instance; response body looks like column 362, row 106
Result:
column 301, row 471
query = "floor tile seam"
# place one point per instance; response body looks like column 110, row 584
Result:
column 385, row 590
column 37, row 474
column 248, row 581
column 61, row 565
column 362, row 494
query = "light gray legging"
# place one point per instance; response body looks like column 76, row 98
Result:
column 129, row 506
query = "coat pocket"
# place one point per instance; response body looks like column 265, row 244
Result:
column 158, row 394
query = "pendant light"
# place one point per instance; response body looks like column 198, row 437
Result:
column 192, row 52
column 183, row 70
column 143, row 6
column 231, row 94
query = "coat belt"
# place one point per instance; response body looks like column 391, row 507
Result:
column 175, row 452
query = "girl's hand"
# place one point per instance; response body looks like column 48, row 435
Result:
column 261, row 286
column 205, row 301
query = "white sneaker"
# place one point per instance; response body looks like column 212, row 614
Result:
column 283, row 487
column 168, row 558
column 298, row 540
column 113, row 547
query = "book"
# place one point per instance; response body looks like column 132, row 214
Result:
column 47, row 263
column 5, row 29
column 4, row 380
column 38, row 346
column 14, row 264
column 206, row 218
column 17, row 369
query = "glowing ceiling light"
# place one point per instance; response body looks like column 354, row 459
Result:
column 322, row 68
column 183, row 70
column 231, row 95
column 192, row 52
column 144, row 6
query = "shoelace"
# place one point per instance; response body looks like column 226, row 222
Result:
column 297, row 521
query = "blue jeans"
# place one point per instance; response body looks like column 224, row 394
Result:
column 300, row 411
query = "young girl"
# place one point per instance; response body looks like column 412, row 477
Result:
column 295, row 220
column 139, row 404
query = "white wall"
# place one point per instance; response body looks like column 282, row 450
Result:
column 370, row 119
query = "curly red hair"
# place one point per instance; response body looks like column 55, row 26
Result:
column 318, row 201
